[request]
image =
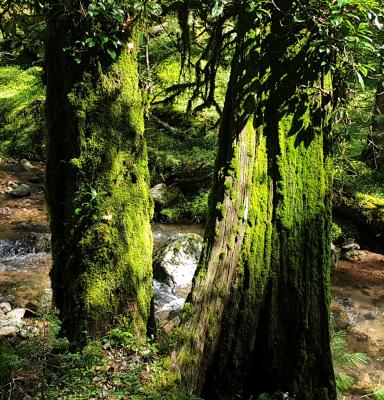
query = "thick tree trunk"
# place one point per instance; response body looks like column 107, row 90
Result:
column 97, row 190
column 257, row 317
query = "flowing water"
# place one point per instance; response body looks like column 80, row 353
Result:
column 25, row 263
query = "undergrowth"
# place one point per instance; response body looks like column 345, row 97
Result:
column 117, row 366
column 22, row 121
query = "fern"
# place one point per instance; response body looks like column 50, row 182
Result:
column 343, row 361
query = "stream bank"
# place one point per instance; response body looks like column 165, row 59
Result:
column 357, row 284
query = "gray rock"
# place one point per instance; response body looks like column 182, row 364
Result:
column 26, row 164
column 2, row 315
column 8, row 299
column 164, row 196
column 176, row 261
column 5, row 307
column 350, row 245
column 21, row 191
column 9, row 330
column 16, row 314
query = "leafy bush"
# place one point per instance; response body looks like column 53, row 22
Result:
column 22, row 121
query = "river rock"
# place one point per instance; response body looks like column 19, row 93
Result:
column 5, row 307
column 350, row 245
column 176, row 261
column 9, row 330
column 21, row 191
column 164, row 196
column 16, row 314
column 26, row 164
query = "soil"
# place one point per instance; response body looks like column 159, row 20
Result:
column 357, row 284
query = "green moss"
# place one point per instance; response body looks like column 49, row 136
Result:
column 109, row 245
column 22, row 120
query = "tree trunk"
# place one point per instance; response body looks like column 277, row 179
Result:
column 257, row 317
column 97, row 189
column 374, row 152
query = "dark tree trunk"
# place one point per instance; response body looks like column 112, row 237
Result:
column 97, row 189
column 257, row 317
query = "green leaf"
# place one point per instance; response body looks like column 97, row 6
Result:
column 143, row 39
column 217, row 8
column 90, row 42
column 360, row 79
column 112, row 53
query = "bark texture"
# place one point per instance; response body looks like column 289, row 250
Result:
column 97, row 189
column 257, row 317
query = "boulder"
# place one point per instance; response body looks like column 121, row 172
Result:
column 16, row 314
column 175, row 262
column 8, row 330
column 164, row 196
column 21, row 191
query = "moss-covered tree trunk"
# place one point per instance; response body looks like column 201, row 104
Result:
column 97, row 187
column 257, row 317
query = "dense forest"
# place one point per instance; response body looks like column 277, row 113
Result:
column 191, row 199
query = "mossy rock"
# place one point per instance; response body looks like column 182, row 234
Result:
column 165, row 196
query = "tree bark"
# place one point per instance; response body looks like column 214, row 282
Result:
column 257, row 317
column 97, row 189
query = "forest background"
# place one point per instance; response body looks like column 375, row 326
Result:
column 184, row 52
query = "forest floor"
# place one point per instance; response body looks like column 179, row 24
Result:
column 357, row 284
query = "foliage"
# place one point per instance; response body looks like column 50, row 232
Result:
column 22, row 31
column 106, row 24
column 193, row 208
column 22, row 121
column 186, row 151
column 118, row 365
column 344, row 361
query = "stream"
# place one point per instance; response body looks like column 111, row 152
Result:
column 25, row 260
